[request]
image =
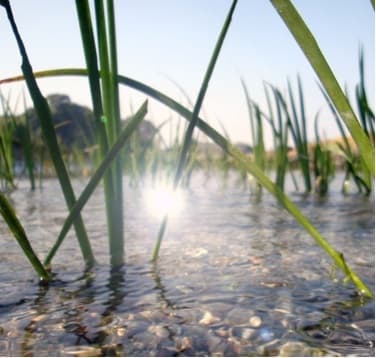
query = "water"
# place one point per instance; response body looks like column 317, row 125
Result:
column 235, row 277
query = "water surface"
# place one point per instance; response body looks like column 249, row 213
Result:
column 236, row 276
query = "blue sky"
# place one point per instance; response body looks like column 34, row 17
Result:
column 165, row 41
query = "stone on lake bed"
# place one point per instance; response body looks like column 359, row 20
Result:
column 238, row 316
column 255, row 321
column 82, row 351
column 197, row 252
column 299, row 349
column 208, row 318
column 159, row 331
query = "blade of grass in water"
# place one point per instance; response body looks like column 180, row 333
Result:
column 308, row 44
column 242, row 159
column 95, row 179
column 257, row 132
column 27, row 146
column 46, row 122
column 106, row 35
column 192, row 124
column 106, row 110
column 19, row 234
column 298, row 128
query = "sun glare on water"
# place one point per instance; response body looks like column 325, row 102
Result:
column 164, row 200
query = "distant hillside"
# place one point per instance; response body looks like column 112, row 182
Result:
column 75, row 124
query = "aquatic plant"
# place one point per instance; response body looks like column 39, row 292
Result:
column 323, row 166
column 354, row 167
column 293, row 20
column 19, row 234
column 241, row 158
column 194, row 119
column 96, row 177
column 7, row 130
column 44, row 115
column 104, row 94
column 312, row 51
column 23, row 131
column 298, row 127
column 257, row 133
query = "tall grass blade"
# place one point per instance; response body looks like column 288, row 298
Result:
column 8, row 126
column 352, row 164
column 231, row 150
column 196, row 111
column 323, row 166
column 97, row 176
column 298, row 129
column 27, row 147
column 19, row 234
column 106, row 112
column 45, row 117
column 308, row 44
column 257, row 132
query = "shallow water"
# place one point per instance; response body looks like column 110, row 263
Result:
column 235, row 277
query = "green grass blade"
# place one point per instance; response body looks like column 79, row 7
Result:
column 308, row 44
column 105, row 114
column 196, row 111
column 202, row 92
column 250, row 113
column 231, row 150
column 87, row 35
column 19, row 234
column 299, row 132
column 97, row 176
column 45, row 117
column 117, row 240
column 27, row 146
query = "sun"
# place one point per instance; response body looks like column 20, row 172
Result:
column 164, row 200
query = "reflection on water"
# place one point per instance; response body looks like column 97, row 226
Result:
column 236, row 276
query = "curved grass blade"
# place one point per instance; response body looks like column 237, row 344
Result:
column 46, row 122
column 242, row 159
column 97, row 176
column 19, row 234
column 308, row 44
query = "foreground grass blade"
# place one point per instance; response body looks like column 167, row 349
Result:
column 193, row 122
column 243, row 160
column 106, row 110
column 46, row 122
column 18, row 232
column 95, row 179
column 308, row 44
column 106, row 35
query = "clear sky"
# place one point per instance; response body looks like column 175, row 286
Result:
column 164, row 42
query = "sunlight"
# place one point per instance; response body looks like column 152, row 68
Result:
column 164, row 200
